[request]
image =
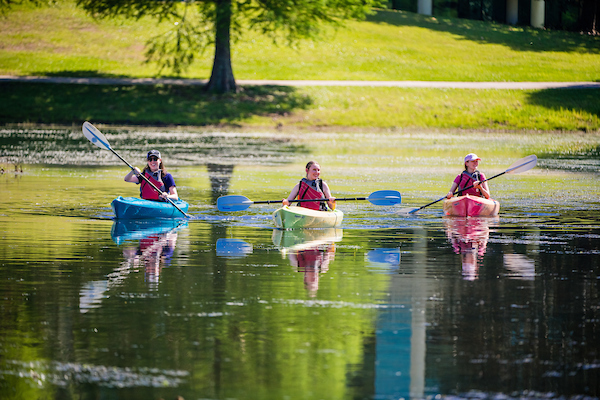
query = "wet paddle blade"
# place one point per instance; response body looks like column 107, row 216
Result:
column 95, row 136
column 385, row 198
column 233, row 203
column 524, row 164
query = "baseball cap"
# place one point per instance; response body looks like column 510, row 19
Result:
column 471, row 157
column 154, row 153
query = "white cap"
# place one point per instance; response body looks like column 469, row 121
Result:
column 471, row 157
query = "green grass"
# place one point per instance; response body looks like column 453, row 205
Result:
column 64, row 41
column 304, row 107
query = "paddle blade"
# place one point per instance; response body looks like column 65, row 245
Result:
column 95, row 136
column 385, row 198
column 233, row 203
column 524, row 164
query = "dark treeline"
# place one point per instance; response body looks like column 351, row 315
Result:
column 570, row 15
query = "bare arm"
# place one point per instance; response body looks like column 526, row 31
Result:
column 132, row 176
column 292, row 196
column 452, row 189
column 483, row 188
column 173, row 195
column 328, row 195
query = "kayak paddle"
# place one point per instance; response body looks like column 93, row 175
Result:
column 96, row 137
column 524, row 164
column 239, row 203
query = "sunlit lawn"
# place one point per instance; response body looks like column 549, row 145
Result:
column 64, row 41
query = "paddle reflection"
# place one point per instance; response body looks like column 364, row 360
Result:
column 146, row 243
column 469, row 238
column 310, row 251
column 383, row 260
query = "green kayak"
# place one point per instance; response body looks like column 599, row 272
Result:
column 294, row 217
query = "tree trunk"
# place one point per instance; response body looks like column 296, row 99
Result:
column 221, row 78
column 588, row 16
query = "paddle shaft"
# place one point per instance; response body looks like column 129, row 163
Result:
column 147, row 180
column 308, row 200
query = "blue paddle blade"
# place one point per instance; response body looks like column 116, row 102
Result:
column 233, row 203
column 385, row 198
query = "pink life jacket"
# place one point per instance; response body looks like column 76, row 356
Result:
column 147, row 191
column 467, row 180
column 311, row 190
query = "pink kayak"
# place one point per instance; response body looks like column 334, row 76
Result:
column 471, row 206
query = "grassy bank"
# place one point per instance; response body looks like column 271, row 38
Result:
column 303, row 107
column 63, row 41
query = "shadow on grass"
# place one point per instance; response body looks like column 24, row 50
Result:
column 93, row 74
column 157, row 105
column 79, row 74
column 520, row 39
column 573, row 100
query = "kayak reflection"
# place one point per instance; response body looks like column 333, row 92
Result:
column 147, row 243
column 155, row 247
column 309, row 251
column 469, row 237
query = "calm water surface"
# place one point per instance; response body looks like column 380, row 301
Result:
column 222, row 306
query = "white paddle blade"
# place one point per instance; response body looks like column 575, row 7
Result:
column 95, row 136
column 524, row 164
column 407, row 210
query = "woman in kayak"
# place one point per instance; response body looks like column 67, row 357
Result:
column 156, row 173
column 470, row 177
column 312, row 187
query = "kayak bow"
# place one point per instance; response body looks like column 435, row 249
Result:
column 136, row 208
column 471, row 206
column 293, row 217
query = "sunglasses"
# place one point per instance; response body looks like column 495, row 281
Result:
column 152, row 158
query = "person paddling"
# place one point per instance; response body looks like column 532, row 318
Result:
column 156, row 172
column 312, row 187
column 470, row 177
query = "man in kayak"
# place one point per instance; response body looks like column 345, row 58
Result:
column 312, row 187
column 156, row 173
column 470, row 177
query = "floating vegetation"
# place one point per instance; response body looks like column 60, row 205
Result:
column 40, row 373
column 179, row 147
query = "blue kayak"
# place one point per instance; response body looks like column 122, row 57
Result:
column 136, row 208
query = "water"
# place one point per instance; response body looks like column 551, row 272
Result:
column 222, row 306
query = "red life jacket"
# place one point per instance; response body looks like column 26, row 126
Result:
column 147, row 191
column 311, row 190
column 309, row 260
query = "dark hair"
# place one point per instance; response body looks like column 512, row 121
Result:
column 310, row 164
column 163, row 170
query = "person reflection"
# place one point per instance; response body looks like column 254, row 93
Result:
column 312, row 262
column 469, row 238
column 153, row 252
